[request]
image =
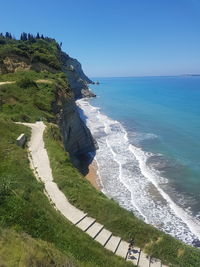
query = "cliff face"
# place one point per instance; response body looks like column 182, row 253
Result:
column 76, row 77
column 77, row 138
column 46, row 55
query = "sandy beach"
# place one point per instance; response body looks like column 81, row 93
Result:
column 92, row 176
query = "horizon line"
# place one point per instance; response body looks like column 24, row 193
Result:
column 137, row 76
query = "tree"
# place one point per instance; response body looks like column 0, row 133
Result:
column 8, row 35
column 31, row 38
column 38, row 36
column 23, row 37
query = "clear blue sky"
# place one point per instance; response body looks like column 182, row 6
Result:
column 115, row 37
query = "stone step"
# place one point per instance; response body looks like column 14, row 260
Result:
column 86, row 223
column 83, row 217
column 155, row 262
column 144, row 260
column 113, row 243
column 134, row 256
column 103, row 237
column 95, row 229
column 122, row 249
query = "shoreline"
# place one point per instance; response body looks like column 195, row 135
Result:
column 92, row 175
column 182, row 220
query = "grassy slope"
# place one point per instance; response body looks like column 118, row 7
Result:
column 31, row 103
column 27, row 251
column 119, row 221
column 23, row 205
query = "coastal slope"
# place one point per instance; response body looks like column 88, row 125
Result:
column 40, row 91
column 45, row 56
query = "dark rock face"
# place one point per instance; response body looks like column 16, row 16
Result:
column 76, row 77
column 77, row 138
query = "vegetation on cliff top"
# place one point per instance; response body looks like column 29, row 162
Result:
column 34, row 48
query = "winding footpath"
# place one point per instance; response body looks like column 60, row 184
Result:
column 40, row 165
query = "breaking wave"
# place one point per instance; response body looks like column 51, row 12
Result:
column 126, row 176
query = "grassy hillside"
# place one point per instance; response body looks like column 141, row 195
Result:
column 109, row 213
column 23, row 205
column 29, row 100
column 19, row 249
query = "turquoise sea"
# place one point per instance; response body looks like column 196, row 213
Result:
column 148, row 132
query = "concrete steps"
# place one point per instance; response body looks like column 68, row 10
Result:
column 116, row 244
column 134, row 257
column 86, row 223
column 122, row 249
column 103, row 237
column 42, row 170
column 144, row 260
column 113, row 243
column 95, row 229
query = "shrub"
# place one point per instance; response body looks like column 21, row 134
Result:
column 26, row 82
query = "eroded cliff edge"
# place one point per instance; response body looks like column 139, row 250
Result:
column 45, row 55
column 77, row 138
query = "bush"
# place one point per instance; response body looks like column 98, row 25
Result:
column 26, row 82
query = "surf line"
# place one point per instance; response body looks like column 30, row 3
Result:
column 106, row 130
column 179, row 212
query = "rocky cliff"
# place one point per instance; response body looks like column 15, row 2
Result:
column 71, row 67
column 77, row 138
column 76, row 77
column 45, row 55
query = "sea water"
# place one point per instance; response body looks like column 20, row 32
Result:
column 148, row 133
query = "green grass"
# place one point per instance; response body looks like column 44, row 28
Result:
column 19, row 249
column 26, row 104
column 25, row 208
column 121, row 222
column 34, row 101
column 33, row 75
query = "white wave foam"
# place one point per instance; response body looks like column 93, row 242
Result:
column 126, row 177
column 152, row 175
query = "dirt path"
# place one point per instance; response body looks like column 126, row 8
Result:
column 37, row 81
column 2, row 83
